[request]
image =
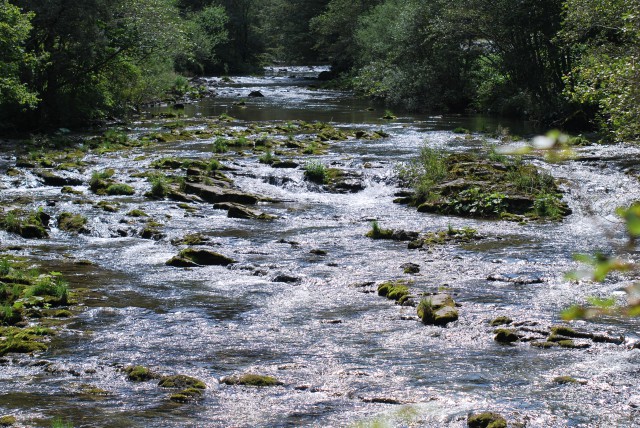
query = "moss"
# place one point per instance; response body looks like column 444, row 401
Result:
column 70, row 190
column 120, row 189
column 394, row 290
column 377, row 232
column 93, row 390
column 251, row 380
column 564, row 380
column 486, row 420
column 544, row 345
column 7, row 421
column 505, row 335
column 191, row 239
column 502, row 320
column 28, row 224
column 182, row 382
column 139, row 373
column 137, row 213
column 107, row 206
column 13, row 345
column 72, row 222
column 186, row 395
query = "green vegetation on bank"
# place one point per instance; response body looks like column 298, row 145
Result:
column 570, row 63
column 26, row 294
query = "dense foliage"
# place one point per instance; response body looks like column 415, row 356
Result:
column 561, row 62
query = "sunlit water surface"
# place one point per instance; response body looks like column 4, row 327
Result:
column 343, row 354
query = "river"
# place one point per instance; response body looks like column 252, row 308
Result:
column 346, row 356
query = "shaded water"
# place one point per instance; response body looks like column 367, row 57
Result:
column 343, row 352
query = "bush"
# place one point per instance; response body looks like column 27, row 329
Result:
column 316, row 172
column 220, row 145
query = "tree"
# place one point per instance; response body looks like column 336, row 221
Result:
column 335, row 31
column 606, row 34
column 15, row 27
column 102, row 55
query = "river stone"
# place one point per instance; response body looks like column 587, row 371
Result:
column 505, row 335
column 285, row 164
column 445, row 315
column 7, row 421
column 51, row 179
column 410, row 268
column 33, row 231
column 182, row 382
column 256, row 94
column 251, row 380
column 486, row 420
column 215, row 194
column 240, row 211
column 441, row 310
column 205, row 257
column 178, row 261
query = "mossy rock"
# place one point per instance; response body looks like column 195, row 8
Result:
column 21, row 346
column 566, row 380
column 486, row 420
column 251, row 380
column 72, row 222
column 502, row 320
column 544, row 344
column 202, row 258
column 181, row 382
column 439, row 309
column 191, row 239
column 506, row 335
column 566, row 331
column 137, row 213
column 7, row 421
column 394, row 290
column 186, row 395
column 119, row 189
column 139, row 373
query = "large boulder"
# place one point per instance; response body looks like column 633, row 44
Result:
column 438, row 309
column 240, row 211
column 215, row 194
column 192, row 257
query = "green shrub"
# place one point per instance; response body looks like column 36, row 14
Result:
column 220, row 145
column 424, row 172
column 548, row 205
column 267, row 158
column 159, row 185
column 316, row 172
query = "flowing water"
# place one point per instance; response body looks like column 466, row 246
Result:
column 346, row 356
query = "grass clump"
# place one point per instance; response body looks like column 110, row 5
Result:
column 424, row 172
column 159, row 185
column 220, row 145
column 28, row 224
column 267, row 158
column 316, row 172
column 377, row 232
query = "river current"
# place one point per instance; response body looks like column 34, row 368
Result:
column 346, row 356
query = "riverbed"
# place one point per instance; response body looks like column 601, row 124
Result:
column 345, row 356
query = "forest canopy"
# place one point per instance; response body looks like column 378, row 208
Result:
column 563, row 63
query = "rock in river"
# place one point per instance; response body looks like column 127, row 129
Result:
column 192, row 257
